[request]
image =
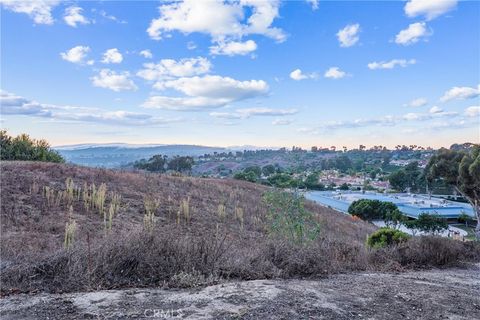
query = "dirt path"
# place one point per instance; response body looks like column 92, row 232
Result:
column 437, row 294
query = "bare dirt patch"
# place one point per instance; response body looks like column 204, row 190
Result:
column 435, row 294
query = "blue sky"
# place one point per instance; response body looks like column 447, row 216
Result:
column 245, row 72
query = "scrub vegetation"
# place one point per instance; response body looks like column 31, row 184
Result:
column 70, row 228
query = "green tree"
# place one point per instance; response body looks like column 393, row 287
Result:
column 281, row 180
column 428, row 223
column 181, row 164
column 394, row 219
column 344, row 186
column 414, row 176
column 369, row 210
column 398, row 180
column 464, row 218
column 461, row 170
column 343, row 163
column 409, row 177
column 156, row 163
column 268, row 170
column 255, row 169
column 312, row 183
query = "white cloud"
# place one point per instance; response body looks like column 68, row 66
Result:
column 348, row 36
column 12, row 104
column 114, row 81
column 282, row 122
column 220, row 19
column 461, row 93
column 266, row 112
column 335, row 73
column 168, row 69
column 73, row 16
column 390, row 64
column 435, row 114
column 313, row 3
column 297, row 75
column 76, row 55
column 39, row 10
column 146, row 54
column 252, row 112
column 183, row 103
column 111, row 17
column 233, row 48
column 218, row 87
column 415, row 103
column 226, row 115
column 473, row 111
column 429, row 8
column 112, row 56
column 206, row 92
column 308, row 130
column 412, row 34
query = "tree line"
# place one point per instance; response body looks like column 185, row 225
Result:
column 161, row 163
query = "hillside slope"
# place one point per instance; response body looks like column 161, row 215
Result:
column 200, row 232
column 27, row 217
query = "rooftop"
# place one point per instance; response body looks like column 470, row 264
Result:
column 411, row 205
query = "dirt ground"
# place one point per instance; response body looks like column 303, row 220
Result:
column 434, row 294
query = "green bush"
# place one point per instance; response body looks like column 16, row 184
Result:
column 288, row 218
column 385, row 237
column 247, row 176
column 22, row 147
column 282, row 180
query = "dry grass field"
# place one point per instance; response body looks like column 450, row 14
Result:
column 136, row 229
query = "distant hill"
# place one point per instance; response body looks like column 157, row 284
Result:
column 115, row 155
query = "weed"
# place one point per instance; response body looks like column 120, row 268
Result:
column 185, row 209
column 112, row 210
column 49, row 194
column 221, row 211
column 34, row 188
column 69, row 190
column 70, row 229
column 288, row 217
column 99, row 199
column 93, row 195
column 239, row 216
column 151, row 206
column 86, row 197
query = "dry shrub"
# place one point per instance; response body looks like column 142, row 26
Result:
column 186, row 260
column 425, row 252
column 139, row 259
